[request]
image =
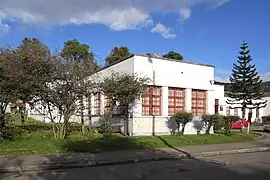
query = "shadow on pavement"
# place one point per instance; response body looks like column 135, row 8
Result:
column 173, row 170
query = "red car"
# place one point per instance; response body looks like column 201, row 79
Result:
column 237, row 124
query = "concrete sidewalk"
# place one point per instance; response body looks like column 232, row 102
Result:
column 73, row 160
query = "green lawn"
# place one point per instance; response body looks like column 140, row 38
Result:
column 42, row 142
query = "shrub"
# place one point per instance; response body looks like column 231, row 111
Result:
column 229, row 120
column 208, row 121
column 182, row 118
column 218, row 121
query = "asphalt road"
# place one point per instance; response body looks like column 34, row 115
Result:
column 248, row 166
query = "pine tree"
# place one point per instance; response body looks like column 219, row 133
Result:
column 246, row 88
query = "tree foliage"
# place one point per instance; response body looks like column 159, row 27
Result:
column 83, row 59
column 24, row 71
column 117, row 53
column 246, row 90
column 182, row 118
column 174, row 55
column 124, row 89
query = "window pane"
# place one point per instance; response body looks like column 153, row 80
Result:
column 171, row 92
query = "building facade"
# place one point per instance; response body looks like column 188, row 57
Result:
column 174, row 86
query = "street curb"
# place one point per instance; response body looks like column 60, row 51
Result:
column 200, row 156
column 85, row 164
column 234, row 151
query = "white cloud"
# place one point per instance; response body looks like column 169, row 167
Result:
column 116, row 14
column 4, row 28
column 184, row 13
column 220, row 3
column 264, row 77
column 164, row 31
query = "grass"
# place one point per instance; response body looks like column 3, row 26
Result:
column 40, row 141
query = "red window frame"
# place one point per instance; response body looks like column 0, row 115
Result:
column 175, row 98
column 151, row 102
column 107, row 102
column 96, row 104
column 196, row 99
column 216, row 106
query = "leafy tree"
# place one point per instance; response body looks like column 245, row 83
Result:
column 61, row 95
column 24, row 72
column 209, row 121
column 124, row 89
column 8, row 90
column 173, row 55
column 218, row 121
column 117, row 53
column 182, row 118
column 229, row 120
column 246, row 90
column 83, row 59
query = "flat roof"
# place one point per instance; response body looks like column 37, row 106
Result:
column 156, row 57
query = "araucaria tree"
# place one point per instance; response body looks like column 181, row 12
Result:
column 246, row 90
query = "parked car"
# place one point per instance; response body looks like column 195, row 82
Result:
column 266, row 128
column 237, row 124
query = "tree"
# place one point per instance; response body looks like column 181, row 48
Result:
column 246, row 90
column 8, row 90
column 117, row 53
column 173, row 55
column 124, row 89
column 61, row 95
column 182, row 118
column 80, row 55
column 32, row 64
column 24, row 71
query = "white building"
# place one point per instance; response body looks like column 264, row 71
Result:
column 175, row 86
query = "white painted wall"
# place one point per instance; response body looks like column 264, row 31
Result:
column 266, row 110
column 219, row 94
column 169, row 73
column 175, row 73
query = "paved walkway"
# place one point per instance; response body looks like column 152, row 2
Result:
column 72, row 158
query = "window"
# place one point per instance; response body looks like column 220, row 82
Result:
column 96, row 104
column 151, row 101
column 236, row 112
column 198, row 102
column 176, row 100
column 216, row 106
column 107, row 102
column 228, row 111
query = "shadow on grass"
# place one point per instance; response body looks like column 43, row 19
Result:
column 172, row 147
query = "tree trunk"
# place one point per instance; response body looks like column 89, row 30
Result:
column 90, row 116
column 126, row 120
column 2, row 125
column 81, row 111
column 243, row 117
column 183, row 128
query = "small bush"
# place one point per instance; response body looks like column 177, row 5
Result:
column 219, row 122
column 182, row 118
column 229, row 120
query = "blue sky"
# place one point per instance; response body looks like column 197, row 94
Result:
column 205, row 31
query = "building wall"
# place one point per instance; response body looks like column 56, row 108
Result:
column 167, row 74
column 219, row 94
column 266, row 110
